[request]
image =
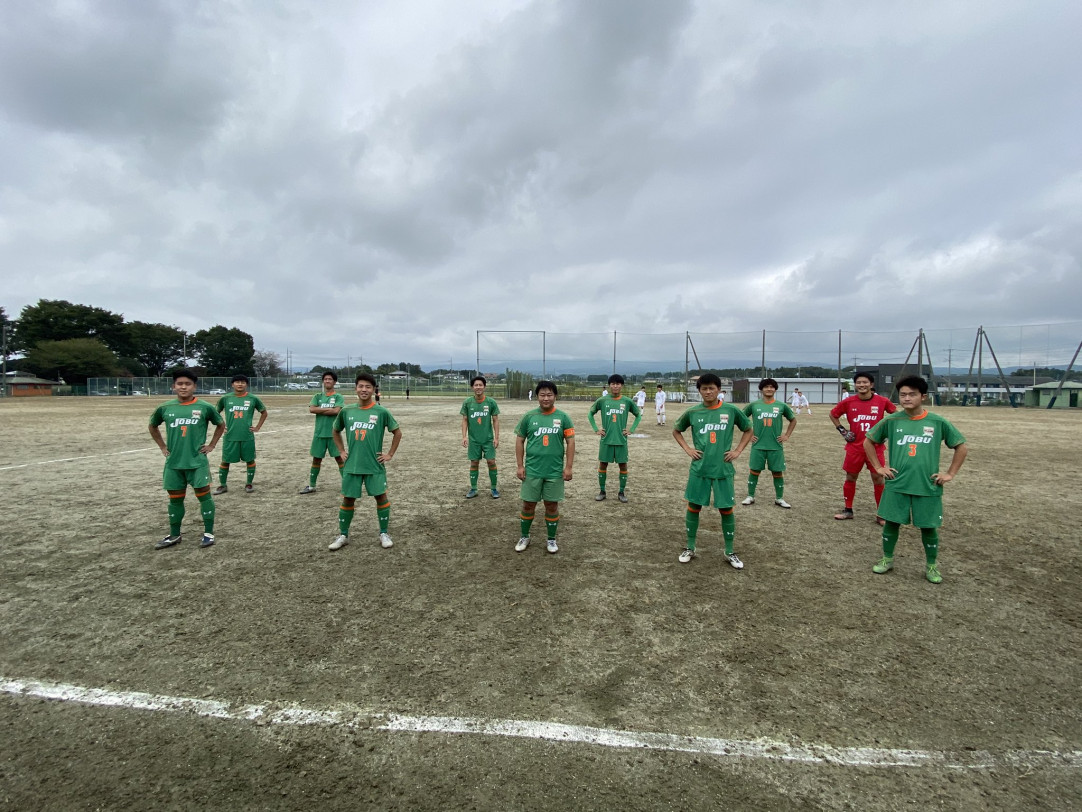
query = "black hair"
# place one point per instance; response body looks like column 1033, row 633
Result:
column 185, row 373
column 708, row 378
column 767, row 382
column 614, row 378
column 239, row 377
column 477, row 378
column 913, row 382
column 365, row 376
column 331, row 373
column 867, row 375
column 546, row 385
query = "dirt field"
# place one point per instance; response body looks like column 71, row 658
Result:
column 804, row 648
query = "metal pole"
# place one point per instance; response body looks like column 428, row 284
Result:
column 613, row 352
column 980, row 361
column 544, row 357
column 763, row 364
column 477, row 371
column 840, row 365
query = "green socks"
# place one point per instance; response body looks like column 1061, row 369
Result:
column 223, row 473
column 525, row 522
column 929, row 537
column 753, row 481
column 345, row 518
column 551, row 525
column 728, row 529
column 383, row 513
column 890, row 538
column 176, row 514
column 779, row 487
column 206, row 507
column 691, row 523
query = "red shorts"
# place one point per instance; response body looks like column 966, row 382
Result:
column 855, row 460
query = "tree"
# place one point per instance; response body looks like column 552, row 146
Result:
column 412, row 369
column 267, row 364
column 224, row 350
column 157, row 347
column 58, row 320
column 386, row 369
column 74, row 360
column 7, row 334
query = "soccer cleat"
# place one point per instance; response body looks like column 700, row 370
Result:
column 220, row 490
column 495, row 494
column 472, row 492
column 749, row 501
column 339, row 543
column 385, row 540
column 600, row 497
column 782, row 504
column 207, row 540
column 686, row 555
column 735, row 562
column 168, row 541
column 308, row 489
column 523, row 543
column 248, row 488
column 622, row 497
column 552, row 547
column 932, row 574
column 846, row 513
column 886, row 564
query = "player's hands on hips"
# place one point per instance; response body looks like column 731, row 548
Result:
column 567, row 474
column 520, row 472
column 694, row 453
column 165, row 452
column 886, row 471
column 382, row 459
column 627, row 433
column 600, row 432
column 205, row 449
column 730, row 455
column 942, row 479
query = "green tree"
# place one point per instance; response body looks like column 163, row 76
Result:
column 267, row 364
column 58, row 320
column 412, row 369
column 224, row 350
column 73, row 359
column 386, row 369
column 157, row 347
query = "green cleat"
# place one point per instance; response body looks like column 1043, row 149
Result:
column 885, row 565
column 932, row 574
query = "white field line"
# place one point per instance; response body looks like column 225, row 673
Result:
column 547, row 731
column 110, row 454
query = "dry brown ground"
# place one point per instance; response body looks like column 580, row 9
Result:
column 804, row 645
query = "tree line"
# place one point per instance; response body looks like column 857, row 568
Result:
column 74, row 342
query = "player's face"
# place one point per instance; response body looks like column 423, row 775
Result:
column 615, row 389
column 328, row 383
column 863, row 387
column 478, row 390
column 184, row 388
column 365, row 392
column 911, row 399
column 546, row 398
column 709, row 391
column 769, row 391
column 239, row 388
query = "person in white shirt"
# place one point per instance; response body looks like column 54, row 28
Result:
column 803, row 403
column 659, row 405
column 640, row 398
column 794, row 400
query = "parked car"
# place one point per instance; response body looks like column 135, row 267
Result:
column 216, row 392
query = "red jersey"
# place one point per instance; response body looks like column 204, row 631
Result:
column 863, row 414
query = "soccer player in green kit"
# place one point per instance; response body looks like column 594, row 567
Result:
column 185, row 449
column 711, row 474
column 365, row 461
column 614, row 408
column 481, row 434
column 914, row 484
column 544, row 453
column 239, row 444
column 325, row 406
column 766, row 451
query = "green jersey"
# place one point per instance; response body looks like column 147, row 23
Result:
column 614, row 415
column 766, row 422
column 479, row 418
column 545, row 435
column 364, row 430
column 185, row 431
column 325, row 422
column 712, row 434
column 913, row 446
column 239, row 412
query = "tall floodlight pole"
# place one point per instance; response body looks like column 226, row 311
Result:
column 764, row 354
column 613, row 352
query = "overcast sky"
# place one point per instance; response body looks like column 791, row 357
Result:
column 383, row 178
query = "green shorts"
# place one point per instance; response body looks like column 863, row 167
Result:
column 178, row 479
column 927, row 511
column 762, row 460
column 477, row 450
column 372, row 484
column 612, row 453
column 542, row 490
column 322, row 446
column 699, row 490
column 237, row 450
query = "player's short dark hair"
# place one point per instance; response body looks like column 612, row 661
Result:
column 868, row 375
column 913, row 382
column 331, row 373
column 477, row 378
column 660, row 386
column 768, row 382
column 185, row 373
column 708, row 378
column 614, row 378
column 239, row 377
column 547, row 385
column 365, row 376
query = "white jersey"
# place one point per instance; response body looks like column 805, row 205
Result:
column 640, row 398
column 794, row 400
column 804, row 402
column 659, row 401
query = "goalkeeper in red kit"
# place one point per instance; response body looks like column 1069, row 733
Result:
column 861, row 411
